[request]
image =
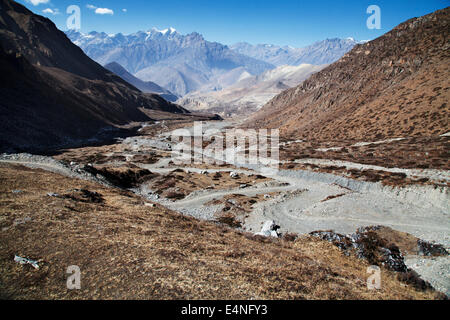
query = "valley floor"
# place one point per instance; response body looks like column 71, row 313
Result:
column 114, row 210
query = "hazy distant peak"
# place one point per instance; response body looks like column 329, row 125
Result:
column 169, row 30
column 320, row 52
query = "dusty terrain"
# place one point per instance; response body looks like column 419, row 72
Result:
column 362, row 178
column 131, row 193
column 127, row 250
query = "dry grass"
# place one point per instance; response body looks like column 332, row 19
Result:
column 113, row 153
column 130, row 251
column 234, row 208
column 426, row 152
column 394, row 86
column 386, row 178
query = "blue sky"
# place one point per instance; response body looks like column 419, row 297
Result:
column 281, row 22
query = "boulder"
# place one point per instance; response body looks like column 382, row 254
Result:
column 234, row 175
column 269, row 229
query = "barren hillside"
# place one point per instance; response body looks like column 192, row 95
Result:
column 394, row 86
column 128, row 250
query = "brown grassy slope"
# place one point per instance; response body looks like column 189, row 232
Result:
column 396, row 85
column 412, row 152
column 129, row 251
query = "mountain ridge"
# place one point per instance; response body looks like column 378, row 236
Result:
column 179, row 63
column 319, row 53
column 144, row 86
column 378, row 90
column 55, row 94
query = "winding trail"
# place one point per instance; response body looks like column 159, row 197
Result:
column 420, row 210
column 310, row 201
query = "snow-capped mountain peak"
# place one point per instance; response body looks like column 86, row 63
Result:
column 319, row 53
column 180, row 63
column 169, row 30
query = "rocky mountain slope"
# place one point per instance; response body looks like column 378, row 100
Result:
column 179, row 63
column 144, row 86
column 394, row 86
column 250, row 93
column 321, row 52
column 52, row 93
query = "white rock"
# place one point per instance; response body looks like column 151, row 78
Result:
column 268, row 229
column 274, row 234
column 234, row 175
column 268, row 226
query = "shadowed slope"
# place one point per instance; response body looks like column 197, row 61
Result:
column 52, row 93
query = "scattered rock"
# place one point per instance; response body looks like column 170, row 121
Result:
column 51, row 194
column 21, row 260
column 367, row 245
column 426, row 248
column 269, row 229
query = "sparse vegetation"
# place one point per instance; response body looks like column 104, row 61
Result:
column 128, row 250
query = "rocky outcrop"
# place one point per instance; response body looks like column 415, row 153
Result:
column 369, row 243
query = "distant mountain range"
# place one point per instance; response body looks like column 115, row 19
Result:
column 319, row 53
column 250, row 93
column 394, row 86
column 179, row 63
column 188, row 63
column 52, row 94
